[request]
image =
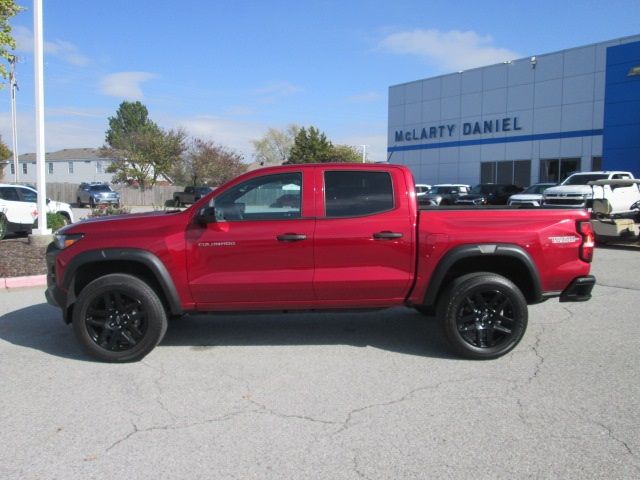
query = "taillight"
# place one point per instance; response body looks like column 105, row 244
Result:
column 588, row 241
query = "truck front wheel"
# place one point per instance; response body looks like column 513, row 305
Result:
column 119, row 318
column 484, row 315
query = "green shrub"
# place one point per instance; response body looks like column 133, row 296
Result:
column 55, row 222
column 104, row 210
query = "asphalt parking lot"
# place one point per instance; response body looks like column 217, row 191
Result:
column 352, row 396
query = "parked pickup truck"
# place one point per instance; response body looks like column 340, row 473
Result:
column 190, row 195
column 353, row 239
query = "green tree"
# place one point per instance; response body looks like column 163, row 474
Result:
column 207, row 163
column 141, row 151
column 310, row 146
column 274, row 147
column 5, row 153
column 345, row 153
column 8, row 9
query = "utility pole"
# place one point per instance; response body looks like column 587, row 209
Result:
column 14, row 128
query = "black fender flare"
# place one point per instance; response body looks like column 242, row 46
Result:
column 482, row 250
column 144, row 257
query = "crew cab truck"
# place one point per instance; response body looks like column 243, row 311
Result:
column 354, row 239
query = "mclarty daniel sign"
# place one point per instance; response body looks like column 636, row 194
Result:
column 505, row 124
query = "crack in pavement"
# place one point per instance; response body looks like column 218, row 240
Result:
column 159, row 389
column 137, row 430
column 633, row 289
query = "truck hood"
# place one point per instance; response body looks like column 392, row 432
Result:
column 570, row 189
column 122, row 223
column 526, row 196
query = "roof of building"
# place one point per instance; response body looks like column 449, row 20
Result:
column 66, row 155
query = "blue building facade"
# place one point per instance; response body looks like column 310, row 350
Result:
column 539, row 118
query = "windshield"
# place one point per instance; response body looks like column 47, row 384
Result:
column 584, row 178
column 100, row 188
column 442, row 190
column 486, row 189
column 537, row 188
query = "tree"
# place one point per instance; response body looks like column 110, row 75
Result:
column 310, row 146
column 207, row 163
column 274, row 147
column 5, row 153
column 8, row 9
column 141, row 150
column 345, row 153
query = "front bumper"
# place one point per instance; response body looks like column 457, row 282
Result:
column 55, row 295
column 579, row 290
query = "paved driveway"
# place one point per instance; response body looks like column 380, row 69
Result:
column 308, row 396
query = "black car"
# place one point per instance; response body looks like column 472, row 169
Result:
column 489, row 194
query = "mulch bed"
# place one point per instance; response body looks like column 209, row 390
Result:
column 18, row 258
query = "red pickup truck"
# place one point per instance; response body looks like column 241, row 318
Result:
column 317, row 237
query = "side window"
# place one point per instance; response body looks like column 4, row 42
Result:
column 357, row 193
column 28, row 195
column 271, row 197
column 9, row 193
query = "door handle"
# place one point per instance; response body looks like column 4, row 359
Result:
column 386, row 235
column 291, row 237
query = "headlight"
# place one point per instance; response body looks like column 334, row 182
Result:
column 63, row 241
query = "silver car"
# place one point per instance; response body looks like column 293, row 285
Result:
column 96, row 194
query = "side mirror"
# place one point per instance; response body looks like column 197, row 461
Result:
column 206, row 215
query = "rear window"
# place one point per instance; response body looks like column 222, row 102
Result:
column 583, row 179
column 355, row 193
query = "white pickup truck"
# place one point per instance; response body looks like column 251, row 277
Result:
column 575, row 191
column 18, row 210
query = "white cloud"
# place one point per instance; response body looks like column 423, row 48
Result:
column 453, row 50
column 125, row 85
column 67, row 51
column 272, row 92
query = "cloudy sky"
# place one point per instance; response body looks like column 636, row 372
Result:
column 227, row 71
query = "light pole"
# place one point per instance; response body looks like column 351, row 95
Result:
column 14, row 128
column 364, row 153
column 38, row 60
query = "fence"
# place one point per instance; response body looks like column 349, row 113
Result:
column 156, row 195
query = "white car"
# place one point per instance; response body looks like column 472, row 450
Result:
column 422, row 189
column 18, row 209
column 531, row 196
column 575, row 192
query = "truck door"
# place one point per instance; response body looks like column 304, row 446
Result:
column 259, row 249
column 364, row 238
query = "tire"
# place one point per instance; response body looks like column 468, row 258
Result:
column 119, row 318
column 79, row 203
column 3, row 226
column 484, row 315
column 92, row 204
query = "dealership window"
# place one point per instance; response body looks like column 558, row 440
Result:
column 24, row 168
column 517, row 172
column 99, row 167
column 50, row 166
column 596, row 164
column 13, row 169
column 70, row 167
column 555, row 170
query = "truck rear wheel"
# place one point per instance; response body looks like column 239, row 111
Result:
column 119, row 318
column 484, row 315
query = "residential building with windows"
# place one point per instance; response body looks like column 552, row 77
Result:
column 71, row 165
column 536, row 119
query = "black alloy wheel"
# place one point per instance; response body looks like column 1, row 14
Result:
column 119, row 318
column 484, row 314
column 116, row 321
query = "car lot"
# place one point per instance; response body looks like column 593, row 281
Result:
column 358, row 395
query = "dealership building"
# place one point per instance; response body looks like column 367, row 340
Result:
column 536, row 119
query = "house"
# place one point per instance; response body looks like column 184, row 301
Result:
column 71, row 165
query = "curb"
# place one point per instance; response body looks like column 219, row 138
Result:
column 20, row 282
